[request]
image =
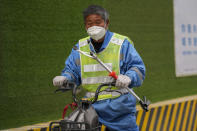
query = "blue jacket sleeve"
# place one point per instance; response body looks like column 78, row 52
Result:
column 72, row 69
column 131, row 64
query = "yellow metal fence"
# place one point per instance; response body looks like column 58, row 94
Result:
column 173, row 115
column 180, row 116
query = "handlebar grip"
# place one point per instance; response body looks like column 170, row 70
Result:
column 66, row 86
column 74, row 91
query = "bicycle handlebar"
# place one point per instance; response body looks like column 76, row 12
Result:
column 72, row 86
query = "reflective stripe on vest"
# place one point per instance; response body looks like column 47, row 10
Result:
column 96, row 80
column 96, row 67
column 92, row 73
column 106, row 94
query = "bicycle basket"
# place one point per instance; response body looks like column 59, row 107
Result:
column 65, row 125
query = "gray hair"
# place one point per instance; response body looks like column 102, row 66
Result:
column 96, row 9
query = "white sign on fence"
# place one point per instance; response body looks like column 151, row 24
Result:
column 185, row 29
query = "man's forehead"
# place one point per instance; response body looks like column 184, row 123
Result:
column 93, row 17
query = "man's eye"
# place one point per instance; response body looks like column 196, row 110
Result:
column 89, row 23
column 98, row 22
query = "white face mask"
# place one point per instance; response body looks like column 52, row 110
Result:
column 96, row 32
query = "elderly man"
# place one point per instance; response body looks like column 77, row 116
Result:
column 118, row 52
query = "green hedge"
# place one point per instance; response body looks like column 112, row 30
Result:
column 36, row 37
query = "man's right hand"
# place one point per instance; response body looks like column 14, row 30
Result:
column 59, row 80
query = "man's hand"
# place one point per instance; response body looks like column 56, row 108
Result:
column 123, row 81
column 59, row 80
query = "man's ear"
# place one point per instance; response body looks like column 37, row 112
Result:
column 107, row 24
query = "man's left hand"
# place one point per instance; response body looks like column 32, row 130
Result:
column 123, row 81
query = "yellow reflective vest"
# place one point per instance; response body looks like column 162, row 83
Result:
column 92, row 73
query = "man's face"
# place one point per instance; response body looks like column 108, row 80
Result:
column 95, row 20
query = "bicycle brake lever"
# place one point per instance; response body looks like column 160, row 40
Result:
column 66, row 86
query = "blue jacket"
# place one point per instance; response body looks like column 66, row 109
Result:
column 119, row 113
column 130, row 59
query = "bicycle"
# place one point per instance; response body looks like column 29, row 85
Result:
column 84, row 103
